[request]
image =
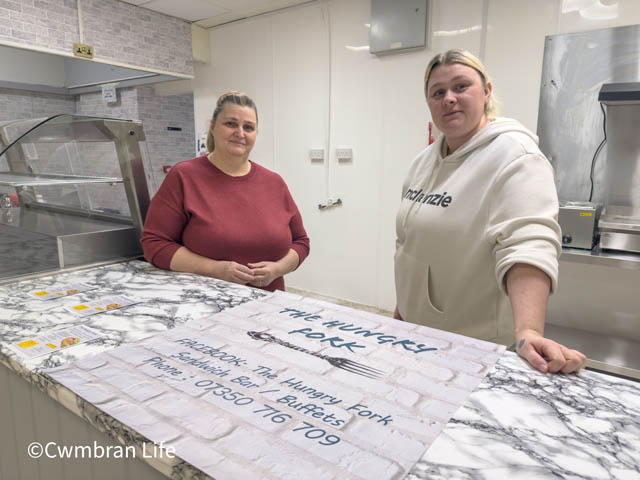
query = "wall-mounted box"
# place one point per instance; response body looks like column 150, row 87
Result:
column 397, row 25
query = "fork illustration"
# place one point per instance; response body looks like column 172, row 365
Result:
column 339, row 362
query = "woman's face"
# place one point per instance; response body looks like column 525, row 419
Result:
column 235, row 130
column 457, row 99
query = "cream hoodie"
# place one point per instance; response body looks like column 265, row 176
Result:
column 465, row 219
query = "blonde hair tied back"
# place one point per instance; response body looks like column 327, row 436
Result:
column 463, row 57
column 234, row 97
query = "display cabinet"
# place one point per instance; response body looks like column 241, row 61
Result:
column 73, row 192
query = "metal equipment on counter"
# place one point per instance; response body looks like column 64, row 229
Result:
column 620, row 228
column 79, row 193
column 578, row 221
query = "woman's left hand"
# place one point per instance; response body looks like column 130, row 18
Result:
column 547, row 355
column 264, row 273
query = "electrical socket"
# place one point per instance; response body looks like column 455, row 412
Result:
column 344, row 153
column 316, row 154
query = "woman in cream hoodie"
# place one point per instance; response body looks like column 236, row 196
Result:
column 477, row 227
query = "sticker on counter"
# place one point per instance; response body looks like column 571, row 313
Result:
column 102, row 305
column 58, row 291
column 55, row 340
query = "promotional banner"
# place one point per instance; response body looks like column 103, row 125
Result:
column 288, row 387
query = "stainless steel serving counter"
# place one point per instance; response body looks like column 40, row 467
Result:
column 597, row 308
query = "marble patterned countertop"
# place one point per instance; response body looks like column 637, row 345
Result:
column 517, row 424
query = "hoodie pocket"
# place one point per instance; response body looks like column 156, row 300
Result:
column 413, row 279
column 428, row 292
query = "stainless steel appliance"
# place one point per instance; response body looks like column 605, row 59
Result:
column 620, row 228
column 79, row 193
column 578, row 221
column 590, row 90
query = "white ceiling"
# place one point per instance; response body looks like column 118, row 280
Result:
column 209, row 13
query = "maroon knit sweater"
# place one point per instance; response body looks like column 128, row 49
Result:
column 246, row 219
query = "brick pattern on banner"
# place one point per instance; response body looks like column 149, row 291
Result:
column 275, row 389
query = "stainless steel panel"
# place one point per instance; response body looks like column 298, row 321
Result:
column 627, row 242
column 624, row 260
column 13, row 179
column 597, row 298
column 605, row 353
column 575, row 65
column 617, row 217
column 621, row 179
column 127, row 138
column 84, row 248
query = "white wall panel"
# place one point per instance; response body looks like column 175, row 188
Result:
column 301, row 109
column 376, row 106
column 514, row 52
column 579, row 16
column 241, row 59
column 405, row 117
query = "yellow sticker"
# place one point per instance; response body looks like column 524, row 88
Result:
column 98, row 308
column 586, row 214
column 51, row 346
column 28, row 343
column 59, row 293
column 80, row 307
column 41, row 293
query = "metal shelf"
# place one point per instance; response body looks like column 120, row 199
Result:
column 626, row 260
column 13, row 179
column 607, row 353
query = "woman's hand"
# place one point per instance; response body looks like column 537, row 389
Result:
column 264, row 273
column 233, row 272
column 547, row 355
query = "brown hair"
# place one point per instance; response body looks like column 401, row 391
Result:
column 234, row 97
column 464, row 58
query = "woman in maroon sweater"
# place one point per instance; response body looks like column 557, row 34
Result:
column 224, row 216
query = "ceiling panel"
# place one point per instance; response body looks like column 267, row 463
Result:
column 247, row 8
column 209, row 13
column 190, row 10
column 135, row 2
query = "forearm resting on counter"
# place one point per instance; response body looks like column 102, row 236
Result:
column 528, row 288
column 184, row 260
